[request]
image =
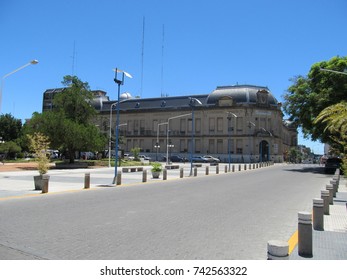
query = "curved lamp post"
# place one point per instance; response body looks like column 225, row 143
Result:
column 14, row 71
column 119, row 82
column 230, row 114
column 167, row 135
column 192, row 103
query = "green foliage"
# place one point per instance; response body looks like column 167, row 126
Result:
column 294, row 155
column 156, row 167
column 39, row 144
column 311, row 94
column 10, row 128
column 10, row 149
column 69, row 125
column 136, row 152
column 334, row 118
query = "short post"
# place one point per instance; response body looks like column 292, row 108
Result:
column 277, row 250
column 45, row 181
column 318, row 214
column 207, row 170
column 239, row 167
column 119, row 178
column 225, row 169
column 324, row 194
column 195, row 171
column 87, row 180
column 330, row 188
column 334, row 184
column 144, row 176
column 250, row 166
column 181, row 172
column 245, row 167
column 164, row 174
column 305, row 234
column 233, row 168
column 217, row 169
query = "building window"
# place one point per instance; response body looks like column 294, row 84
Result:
column 211, row 124
column 211, row 148
column 220, row 124
column 239, row 144
column 219, row 146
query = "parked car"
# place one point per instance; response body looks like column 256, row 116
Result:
column 143, row 157
column 211, row 158
column 176, row 158
column 128, row 157
column 332, row 164
column 200, row 159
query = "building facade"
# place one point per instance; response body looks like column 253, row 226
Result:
column 243, row 123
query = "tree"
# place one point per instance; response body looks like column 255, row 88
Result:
column 334, row 118
column 10, row 149
column 10, row 128
column 39, row 144
column 69, row 125
column 311, row 94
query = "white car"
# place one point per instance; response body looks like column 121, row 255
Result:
column 211, row 159
column 143, row 157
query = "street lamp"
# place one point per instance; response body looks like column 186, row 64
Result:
column 250, row 124
column 167, row 134
column 261, row 144
column 157, row 146
column 230, row 114
column 119, row 82
column 192, row 103
column 333, row 71
column 14, row 71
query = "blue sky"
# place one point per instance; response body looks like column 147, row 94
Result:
column 206, row 44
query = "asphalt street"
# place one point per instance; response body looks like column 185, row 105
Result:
column 225, row 216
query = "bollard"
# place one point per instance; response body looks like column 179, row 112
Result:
column 225, row 169
column 144, row 176
column 277, row 250
column 318, row 214
column 305, row 234
column 217, row 169
column 195, row 171
column 45, row 181
column 233, row 168
column 330, row 188
column 119, row 178
column 181, row 172
column 250, row 166
column 245, row 167
column 334, row 184
column 87, row 180
column 207, row 171
column 239, row 167
column 325, row 196
column 164, row 174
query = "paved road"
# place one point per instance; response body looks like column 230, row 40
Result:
column 226, row 216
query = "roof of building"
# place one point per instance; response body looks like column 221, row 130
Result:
column 239, row 95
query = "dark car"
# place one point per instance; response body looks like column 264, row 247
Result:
column 199, row 159
column 332, row 164
column 178, row 159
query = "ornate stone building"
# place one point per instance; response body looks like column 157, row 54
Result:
column 243, row 121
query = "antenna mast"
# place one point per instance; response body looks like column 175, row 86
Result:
column 162, row 63
column 142, row 54
column 73, row 59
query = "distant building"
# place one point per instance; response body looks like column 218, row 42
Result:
column 244, row 121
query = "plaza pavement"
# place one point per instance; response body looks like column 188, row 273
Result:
column 330, row 244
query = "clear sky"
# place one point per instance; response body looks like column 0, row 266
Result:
column 205, row 44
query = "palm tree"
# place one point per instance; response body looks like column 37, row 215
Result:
column 335, row 119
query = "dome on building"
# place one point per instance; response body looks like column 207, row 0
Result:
column 242, row 94
column 125, row 95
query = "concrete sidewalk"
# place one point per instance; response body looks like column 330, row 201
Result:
column 330, row 244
